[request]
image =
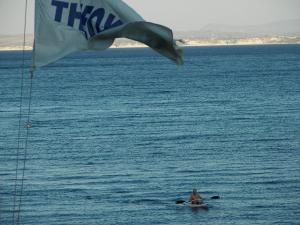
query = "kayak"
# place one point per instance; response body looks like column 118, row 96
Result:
column 189, row 204
column 198, row 206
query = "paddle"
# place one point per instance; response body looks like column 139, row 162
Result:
column 183, row 201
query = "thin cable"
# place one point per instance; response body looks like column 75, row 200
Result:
column 20, row 112
column 28, row 126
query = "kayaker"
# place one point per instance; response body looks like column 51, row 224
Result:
column 195, row 197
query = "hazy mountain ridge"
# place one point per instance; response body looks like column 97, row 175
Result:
column 219, row 31
column 15, row 42
column 282, row 32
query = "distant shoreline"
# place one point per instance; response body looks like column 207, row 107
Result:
column 29, row 48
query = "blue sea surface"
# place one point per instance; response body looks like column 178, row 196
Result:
column 118, row 136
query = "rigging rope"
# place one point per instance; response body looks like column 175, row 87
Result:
column 28, row 126
column 16, row 212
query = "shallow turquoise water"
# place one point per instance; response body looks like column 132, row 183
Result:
column 118, row 136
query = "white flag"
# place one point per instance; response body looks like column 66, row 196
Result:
column 66, row 26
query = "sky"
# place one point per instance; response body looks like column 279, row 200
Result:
column 179, row 15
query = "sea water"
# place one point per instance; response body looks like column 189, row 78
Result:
column 118, row 136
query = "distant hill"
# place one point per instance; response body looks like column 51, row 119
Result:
column 15, row 42
column 282, row 32
column 219, row 31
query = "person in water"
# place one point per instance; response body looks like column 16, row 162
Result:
column 195, row 197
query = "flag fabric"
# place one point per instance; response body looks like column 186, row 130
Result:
column 66, row 26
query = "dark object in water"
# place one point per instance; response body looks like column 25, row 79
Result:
column 180, row 201
column 215, row 197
